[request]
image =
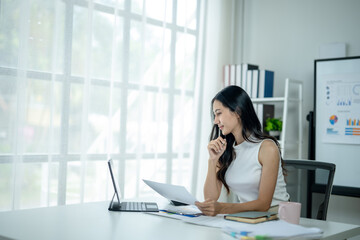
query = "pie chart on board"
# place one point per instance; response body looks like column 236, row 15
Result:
column 333, row 119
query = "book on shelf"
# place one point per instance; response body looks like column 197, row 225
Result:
column 248, row 88
column 255, row 84
column 226, row 75
column 232, row 75
column 244, row 69
column 266, row 83
column 244, row 75
column 238, row 75
column 252, row 216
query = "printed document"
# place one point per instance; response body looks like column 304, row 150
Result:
column 172, row 192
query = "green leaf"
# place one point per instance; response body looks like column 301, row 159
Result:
column 273, row 124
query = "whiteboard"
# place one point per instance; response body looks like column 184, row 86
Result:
column 337, row 118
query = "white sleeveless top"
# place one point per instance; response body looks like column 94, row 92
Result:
column 243, row 175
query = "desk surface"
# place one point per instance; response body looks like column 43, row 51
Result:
column 93, row 221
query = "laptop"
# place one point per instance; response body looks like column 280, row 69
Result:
column 127, row 206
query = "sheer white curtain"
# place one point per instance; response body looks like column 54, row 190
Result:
column 218, row 43
column 83, row 81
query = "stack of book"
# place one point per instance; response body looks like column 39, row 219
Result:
column 258, row 83
column 252, row 216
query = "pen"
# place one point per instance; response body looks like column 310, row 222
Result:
column 233, row 234
column 240, row 235
column 244, row 236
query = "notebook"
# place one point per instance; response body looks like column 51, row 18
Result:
column 252, row 216
column 127, row 206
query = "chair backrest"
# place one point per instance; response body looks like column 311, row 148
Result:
column 301, row 184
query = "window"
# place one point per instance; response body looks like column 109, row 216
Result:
column 83, row 81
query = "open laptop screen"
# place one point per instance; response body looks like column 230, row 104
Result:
column 116, row 188
column 127, row 206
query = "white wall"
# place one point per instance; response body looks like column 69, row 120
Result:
column 285, row 36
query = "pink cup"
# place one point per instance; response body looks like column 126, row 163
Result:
column 290, row 212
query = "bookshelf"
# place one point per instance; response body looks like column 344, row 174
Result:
column 295, row 87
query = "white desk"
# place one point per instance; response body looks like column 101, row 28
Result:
column 93, row 221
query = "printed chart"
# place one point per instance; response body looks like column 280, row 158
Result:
column 341, row 95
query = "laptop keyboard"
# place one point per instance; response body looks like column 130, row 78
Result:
column 133, row 206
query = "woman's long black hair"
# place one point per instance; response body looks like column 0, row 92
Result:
column 238, row 101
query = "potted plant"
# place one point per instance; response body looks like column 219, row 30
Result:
column 274, row 127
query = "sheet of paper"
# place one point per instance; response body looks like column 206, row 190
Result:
column 273, row 229
column 172, row 192
column 217, row 221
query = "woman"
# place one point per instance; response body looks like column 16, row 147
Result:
column 241, row 158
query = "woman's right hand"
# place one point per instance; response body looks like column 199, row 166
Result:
column 216, row 148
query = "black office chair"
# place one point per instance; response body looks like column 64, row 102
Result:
column 305, row 177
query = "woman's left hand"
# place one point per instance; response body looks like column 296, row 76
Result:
column 209, row 207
